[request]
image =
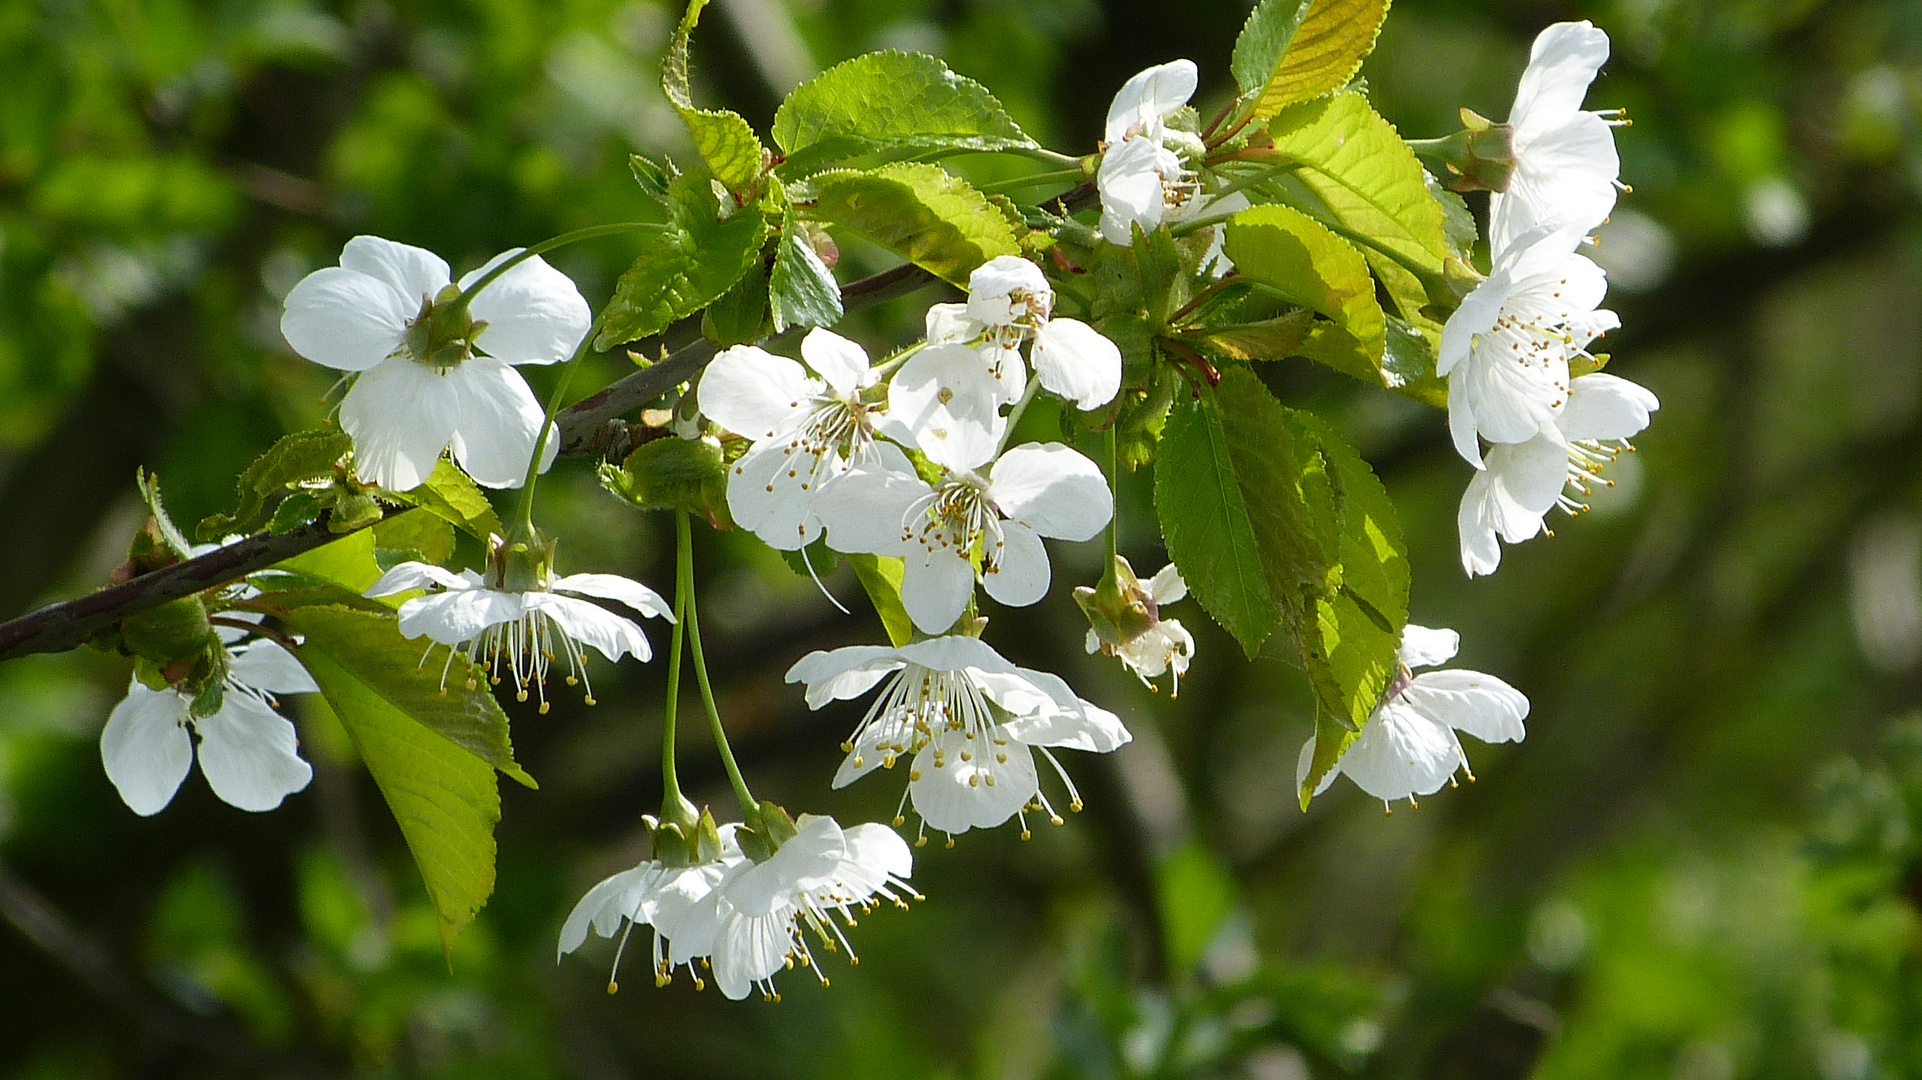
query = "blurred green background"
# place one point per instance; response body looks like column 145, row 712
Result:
column 1704, row 863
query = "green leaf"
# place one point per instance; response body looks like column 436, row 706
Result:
column 1287, row 251
column 1164, row 288
column 449, row 494
column 428, row 535
column 297, row 509
column 802, row 291
column 1204, row 520
column 693, row 260
column 889, row 101
column 303, row 455
column 1353, row 173
column 1285, row 482
column 1268, row 339
column 672, row 473
column 431, row 753
column 1409, row 360
column 1291, row 51
column 723, row 139
column 921, row 213
column 880, row 576
column 176, row 540
column 347, row 562
column 740, row 315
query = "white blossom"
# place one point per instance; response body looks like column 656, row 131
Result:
column 1011, row 303
column 1166, row 645
column 1140, row 178
column 998, row 516
column 527, row 628
column 966, row 721
column 1506, row 350
column 373, row 314
column 1565, row 165
column 805, row 429
column 248, row 751
column 651, row 894
column 1409, row 747
column 1524, row 481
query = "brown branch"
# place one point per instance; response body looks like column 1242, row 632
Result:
column 588, row 427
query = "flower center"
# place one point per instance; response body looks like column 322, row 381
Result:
column 954, row 518
column 442, row 335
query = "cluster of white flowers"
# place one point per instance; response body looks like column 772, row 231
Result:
column 746, row 920
column 1506, row 351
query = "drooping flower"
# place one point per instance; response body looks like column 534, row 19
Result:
column 1408, row 747
column 1011, row 303
column 248, row 752
column 654, row 894
column 1506, row 349
column 523, row 615
column 1031, row 491
column 757, row 918
column 966, row 721
column 1164, row 645
column 430, row 375
column 1524, row 481
column 1565, row 167
column 1140, row 178
column 806, row 430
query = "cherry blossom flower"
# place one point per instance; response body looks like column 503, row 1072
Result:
column 1524, row 481
column 523, row 622
column 757, row 917
column 1408, row 747
column 1011, row 303
column 1031, row 491
column 1140, row 178
column 656, row 895
column 1505, row 351
column 1565, row 166
column 1165, row 645
column 967, row 722
column 428, row 375
column 248, row 751
column 805, row 429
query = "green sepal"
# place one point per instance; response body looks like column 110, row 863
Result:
column 176, row 540
column 176, row 630
column 672, row 473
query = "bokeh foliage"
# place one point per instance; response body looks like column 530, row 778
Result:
column 1703, row 863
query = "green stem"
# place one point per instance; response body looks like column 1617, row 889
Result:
column 524, row 513
column 670, row 782
column 684, row 540
column 1042, row 153
column 1033, row 180
column 1027, row 397
column 550, row 244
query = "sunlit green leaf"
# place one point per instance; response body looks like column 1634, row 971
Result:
column 889, row 100
column 449, row 494
column 723, row 139
column 1286, row 251
column 920, row 212
column 1296, row 50
column 880, row 576
column 303, row 455
column 1205, row 523
column 686, row 266
column 802, row 290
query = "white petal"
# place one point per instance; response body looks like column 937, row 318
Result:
column 1475, row 525
column 1009, row 371
column 1525, row 481
column 414, row 274
column 249, row 754
column 935, row 586
column 697, row 928
column 949, row 324
column 453, row 618
column 1482, row 705
column 999, row 290
column 1563, row 176
column 1167, row 586
column 1086, row 726
column 756, row 394
column 604, row 907
column 957, row 796
column 885, row 738
column 145, row 748
column 265, row 665
column 591, row 624
column 772, row 491
column 1401, row 753
column 948, row 399
column 748, row 949
column 843, row 673
column 1601, row 406
column 1073, row 360
column 615, row 587
column 345, row 320
column 1561, row 66
column 672, row 900
column 1130, row 184
column 955, row 652
column 865, row 510
column 534, row 313
column 1423, row 647
column 408, row 576
column 1150, row 96
column 876, row 854
column 841, row 363
column 499, row 421
column 812, row 854
column 1020, row 577
column 1053, row 488
column 401, row 415
column 1461, row 429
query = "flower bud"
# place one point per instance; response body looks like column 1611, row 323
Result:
column 1119, row 610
